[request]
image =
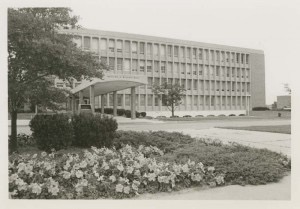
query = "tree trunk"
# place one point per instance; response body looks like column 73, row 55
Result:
column 172, row 106
column 13, row 136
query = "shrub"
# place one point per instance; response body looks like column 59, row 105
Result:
column 143, row 114
column 187, row 116
column 108, row 111
column 241, row 165
column 120, row 112
column 166, row 141
column 260, row 108
column 199, row 116
column 242, row 115
column 231, row 114
column 222, row 115
column 210, row 116
column 128, row 113
column 161, row 117
column 175, row 116
column 51, row 131
column 103, row 173
column 93, row 130
column 137, row 114
column 24, row 140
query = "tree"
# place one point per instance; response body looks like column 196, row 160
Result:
column 287, row 88
column 172, row 94
column 37, row 52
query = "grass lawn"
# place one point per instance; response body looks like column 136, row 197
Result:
column 284, row 129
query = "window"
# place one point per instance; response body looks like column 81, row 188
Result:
column 103, row 60
column 162, row 50
column 119, row 64
column 155, row 50
column 200, row 54
column 206, row 55
column 212, row 56
column 188, row 53
column 87, row 43
column 150, row 100
column 156, row 100
column 163, row 67
column 170, row 51
column 142, row 100
column 142, row 48
column 127, row 100
column 182, row 55
column 189, row 84
column 149, row 49
column 95, row 45
column 217, row 56
column 189, row 69
column 103, row 44
column 169, row 69
column 182, row 68
column 111, row 46
column 194, row 53
column 149, row 66
column 127, row 65
column 134, row 47
column 218, row 71
column 176, row 67
column 195, row 84
column 120, row 99
column 247, row 58
column 237, row 58
column 134, row 65
column 176, row 51
column 112, row 63
column 156, row 66
column 227, row 57
column 142, row 66
column 242, row 58
column 212, row 102
column 127, row 46
column 119, row 46
column 232, row 57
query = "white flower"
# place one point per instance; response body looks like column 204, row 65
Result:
column 151, row 177
column 34, row 156
column 84, row 182
column 15, row 192
column 79, row 174
column 53, row 190
column 112, row 178
column 119, row 188
column 210, row 168
column 126, row 190
column 44, row 154
column 101, row 178
column 120, row 167
column 66, row 167
column 13, row 177
column 47, row 166
column 35, row 188
column 129, row 169
column 185, row 168
column 83, row 164
column 66, row 175
column 220, row 180
column 21, row 167
column 137, row 173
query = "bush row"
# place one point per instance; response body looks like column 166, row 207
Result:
column 58, row 131
column 121, row 112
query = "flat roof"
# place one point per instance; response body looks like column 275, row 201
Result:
column 146, row 38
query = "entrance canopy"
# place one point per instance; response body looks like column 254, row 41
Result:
column 110, row 83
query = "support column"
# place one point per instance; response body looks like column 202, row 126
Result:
column 73, row 104
column 92, row 98
column 115, row 103
column 132, row 102
column 81, row 97
column 102, row 104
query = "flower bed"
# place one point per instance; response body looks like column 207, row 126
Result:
column 103, row 173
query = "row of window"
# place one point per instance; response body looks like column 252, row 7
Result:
column 162, row 50
column 127, row 66
column 153, row 100
column 206, row 85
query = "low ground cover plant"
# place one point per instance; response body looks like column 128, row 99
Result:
column 103, row 173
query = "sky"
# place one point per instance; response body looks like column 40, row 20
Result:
column 266, row 25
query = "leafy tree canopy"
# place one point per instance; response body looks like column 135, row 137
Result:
column 172, row 94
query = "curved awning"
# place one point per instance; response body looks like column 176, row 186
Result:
column 110, row 83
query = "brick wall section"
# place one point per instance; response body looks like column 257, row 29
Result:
column 258, row 89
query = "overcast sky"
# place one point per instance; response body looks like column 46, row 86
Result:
column 265, row 25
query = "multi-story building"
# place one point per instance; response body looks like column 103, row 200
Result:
column 218, row 79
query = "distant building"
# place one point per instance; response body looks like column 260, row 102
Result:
column 218, row 79
column 283, row 101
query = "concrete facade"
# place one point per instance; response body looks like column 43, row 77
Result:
column 217, row 78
